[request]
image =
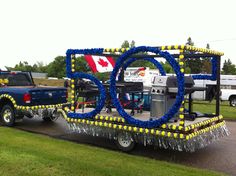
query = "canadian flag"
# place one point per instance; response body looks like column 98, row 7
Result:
column 100, row 63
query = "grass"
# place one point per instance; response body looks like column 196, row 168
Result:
column 23, row 154
column 227, row 111
column 47, row 82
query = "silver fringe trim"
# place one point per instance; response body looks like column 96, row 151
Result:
column 178, row 144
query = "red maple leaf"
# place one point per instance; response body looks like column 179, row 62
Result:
column 102, row 62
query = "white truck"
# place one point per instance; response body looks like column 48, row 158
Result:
column 230, row 95
column 228, row 89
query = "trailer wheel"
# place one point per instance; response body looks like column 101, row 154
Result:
column 8, row 116
column 125, row 141
column 50, row 116
column 232, row 101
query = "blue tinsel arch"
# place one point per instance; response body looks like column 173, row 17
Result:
column 179, row 98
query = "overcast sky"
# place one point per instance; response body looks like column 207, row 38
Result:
column 40, row 30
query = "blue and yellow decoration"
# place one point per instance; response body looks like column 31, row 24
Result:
column 178, row 136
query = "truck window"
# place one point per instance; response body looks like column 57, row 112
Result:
column 17, row 79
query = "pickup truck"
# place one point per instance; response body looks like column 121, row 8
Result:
column 20, row 97
column 228, row 89
column 229, row 95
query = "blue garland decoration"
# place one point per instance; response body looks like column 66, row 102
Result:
column 179, row 98
column 152, row 60
column 213, row 75
column 68, row 65
column 100, row 103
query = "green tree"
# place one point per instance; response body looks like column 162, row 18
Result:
column 132, row 44
column 229, row 68
column 126, row 44
column 23, row 66
column 206, row 62
column 103, row 76
column 142, row 63
column 187, row 70
column 190, row 42
column 138, row 63
column 167, row 67
column 40, row 67
column 81, row 65
column 57, row 68
column 194, row 64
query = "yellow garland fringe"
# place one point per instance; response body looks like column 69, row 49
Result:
column 140, row 130
column 171, row 47
column 164, row 126
column 29, row 107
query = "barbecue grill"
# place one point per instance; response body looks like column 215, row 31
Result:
column 164, row 91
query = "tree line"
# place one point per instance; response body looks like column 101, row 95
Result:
column 57, row 68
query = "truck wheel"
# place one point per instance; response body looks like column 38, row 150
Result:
column 232, row 101
column 125, row 141
column 8, row 116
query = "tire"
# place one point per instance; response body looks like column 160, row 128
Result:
column 125, row 142
column 232, row 101
column 8, row 115
column 132, row 113
column 49, row 117
column 108, row 110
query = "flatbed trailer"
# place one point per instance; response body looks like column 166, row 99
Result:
column 173, row 130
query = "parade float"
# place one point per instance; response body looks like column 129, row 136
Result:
column 170, row 123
